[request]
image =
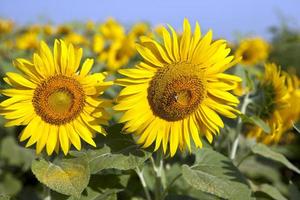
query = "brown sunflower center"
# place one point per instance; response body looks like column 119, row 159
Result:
column 176, row 91
column 59, row 99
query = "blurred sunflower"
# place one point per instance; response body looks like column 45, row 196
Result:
column 57, row 104
column 291, row 113
column 273, row 99
column 118, row 53
column 176, row 93
column 27, row 40
column 253, row 51
column 6, row 26
column 138, row 30
column 112, row 30
column 75, row 39
column 98, row 43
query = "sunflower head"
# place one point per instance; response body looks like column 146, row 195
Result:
column 119, row 53
column 273, row 98
column 253, row 51
column 291, row 113
column 55, row 102
column 112, row 29
column 177, row 92
column 6, row 26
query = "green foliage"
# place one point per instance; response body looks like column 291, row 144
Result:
column 266, row 152
column 9, row 185
column 269, row 190
column 286, row 47
column 215, row 174
column 115, row 151
column 22, row 157
column 257, row 121
column 66, row 176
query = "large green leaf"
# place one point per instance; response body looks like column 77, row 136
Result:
column 4, row 197
column 101, row 187
column 66, row 176
column 269, row 190
column 115, row 151
column 215, row 174
column 263, row 150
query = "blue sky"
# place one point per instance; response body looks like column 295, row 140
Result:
column 225, row 17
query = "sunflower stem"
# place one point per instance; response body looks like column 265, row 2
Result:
column 143, row 182
column 46, row 193
column 158, row 166
column 239, row 126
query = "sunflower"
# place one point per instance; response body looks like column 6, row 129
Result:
column 57, row 104
column 27, row 40
column 6, row 26
column 291, row 113
column 112, row 29
column 273, row 99
column 253, row 51
column 179, row 90
column 118, row 53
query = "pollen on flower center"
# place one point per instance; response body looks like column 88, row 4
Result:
column 59, row 99
column 176, row 91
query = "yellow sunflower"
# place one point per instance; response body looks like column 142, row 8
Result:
column 274, row 99
column 291, row 113
column 27, row 40
column 118, row 53
column 6, row 26
column 179, row 90
column 253, row 51
column 112, row 29
column 57, row 104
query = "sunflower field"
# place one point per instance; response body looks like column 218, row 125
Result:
column 106, row 111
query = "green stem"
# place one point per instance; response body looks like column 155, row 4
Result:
column 143, row 182
column 46, row 193
column 239, row 127
column 158, row 166
column 169, row 185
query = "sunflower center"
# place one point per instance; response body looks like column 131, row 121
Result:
column 59, row 99
column 176, row 91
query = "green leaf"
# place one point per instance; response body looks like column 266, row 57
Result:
column 257, row 121
column 66, row 176
column 264, row 151
column 9, row 185
column 215, row 174
column 294, row 192
column 115, row 151
column 269, row 190
column 100, row 187
column 22, row 157
column 4, row 197
column 91, row 194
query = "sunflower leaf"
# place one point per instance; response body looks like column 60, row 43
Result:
column 115, row 151
column 215, row 174
column 257, row 121
column 269, row 190
column 266, row 152
column 66, row 176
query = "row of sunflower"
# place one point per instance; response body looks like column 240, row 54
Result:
column 147, row 94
